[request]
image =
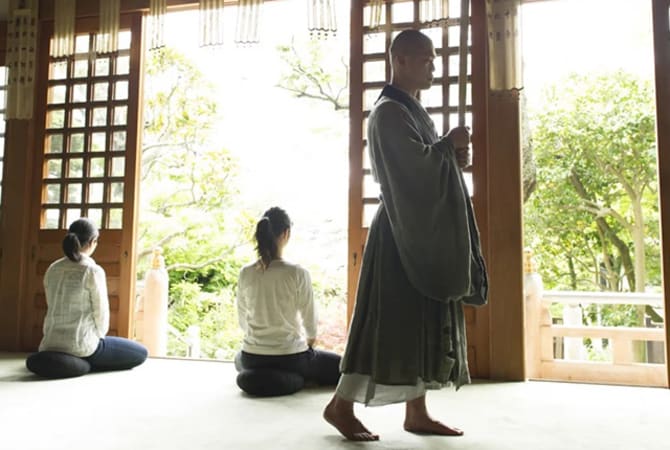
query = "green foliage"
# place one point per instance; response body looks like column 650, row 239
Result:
column 612, row 315
column 187, row 181
column 593, row 220
column 186, row 198
column 187, row 206
column 595, row 152
column 213, row 312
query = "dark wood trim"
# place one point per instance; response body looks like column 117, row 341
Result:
column 355, row 240
column 15, row 233
column 90, row 8
column 3, row 42
column 132, row 181
column 661, row 27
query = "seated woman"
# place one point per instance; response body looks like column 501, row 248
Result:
column 276, row 312
column 77, row 318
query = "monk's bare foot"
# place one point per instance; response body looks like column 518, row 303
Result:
column 417, row 420
column 426, row 425
column 340, row 414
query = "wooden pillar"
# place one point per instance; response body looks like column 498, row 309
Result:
column 661, row 24
column 479, row 341
column 355, row 234
column 15, row 230
column 505, row 237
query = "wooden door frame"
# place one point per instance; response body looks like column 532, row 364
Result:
column 117, row 258
column 504, row 317
column 14, row 227
column 661, row 31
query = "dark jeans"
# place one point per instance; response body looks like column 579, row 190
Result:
column 319, row 366
column 272, row 375
column 116, row 353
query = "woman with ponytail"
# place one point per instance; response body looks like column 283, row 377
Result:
column 77, row 318
column 276, row 312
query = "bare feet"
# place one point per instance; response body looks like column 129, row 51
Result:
column 429, row 426
column 340, row 414
column 417, row 420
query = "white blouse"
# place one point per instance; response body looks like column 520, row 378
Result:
column 275, row 308
column 77, row 307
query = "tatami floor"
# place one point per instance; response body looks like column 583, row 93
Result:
column 191, row 405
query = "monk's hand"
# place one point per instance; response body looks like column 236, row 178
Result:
column 463, row 157
column 311, row 342
column 460, row 139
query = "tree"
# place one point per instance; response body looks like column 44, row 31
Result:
column 596, row 149
column 187, row 190
column 594, row 217
column 187, row 181
column 308, row 74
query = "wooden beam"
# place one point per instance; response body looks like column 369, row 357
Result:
column 479, row 333
column 661, row 27
column 583, row 372
column 505, row 240
column 611, row 333
column 90, row 8
column 14, row 234
column 355, row 238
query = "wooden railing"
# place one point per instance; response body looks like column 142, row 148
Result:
column 541, row 334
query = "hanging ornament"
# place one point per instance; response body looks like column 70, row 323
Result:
column 20, row 60
column 248, row 19
column 157, row 11
column 211, row 22
column 107, row 39
column 376, row 8
column 321, row 18
column 62, row 43
column 434, row 11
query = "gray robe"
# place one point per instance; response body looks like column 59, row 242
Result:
column 422, row 259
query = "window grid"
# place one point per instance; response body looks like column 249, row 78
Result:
column 441, row 100
column 85, row 136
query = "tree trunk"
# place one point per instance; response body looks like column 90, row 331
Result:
column 638, row 246
column 640, row 347
column 621, row 246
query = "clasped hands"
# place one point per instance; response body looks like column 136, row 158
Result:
column 460, row 139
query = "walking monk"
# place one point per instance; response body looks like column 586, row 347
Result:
column 422, row 259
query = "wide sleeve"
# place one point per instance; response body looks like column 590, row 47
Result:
column 99, row 300
column 425, row 198
column 241, row 303
column 305, row 297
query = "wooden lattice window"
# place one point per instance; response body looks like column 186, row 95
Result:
column 370, row 70
column 441, row 100
column 86, row 136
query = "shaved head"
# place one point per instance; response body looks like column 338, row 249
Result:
column 410, row 42
column 412, row 54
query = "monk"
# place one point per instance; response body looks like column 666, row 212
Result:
column 422, row 260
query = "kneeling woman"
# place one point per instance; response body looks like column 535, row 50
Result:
column 77, row 318
column 276, row 312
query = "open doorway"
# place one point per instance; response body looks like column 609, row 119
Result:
column 591, row 217
column 229, row 132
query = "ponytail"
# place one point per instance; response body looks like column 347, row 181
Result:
column 72, row 247
column 266, row 244
column 80, row 234
column 274, row 222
